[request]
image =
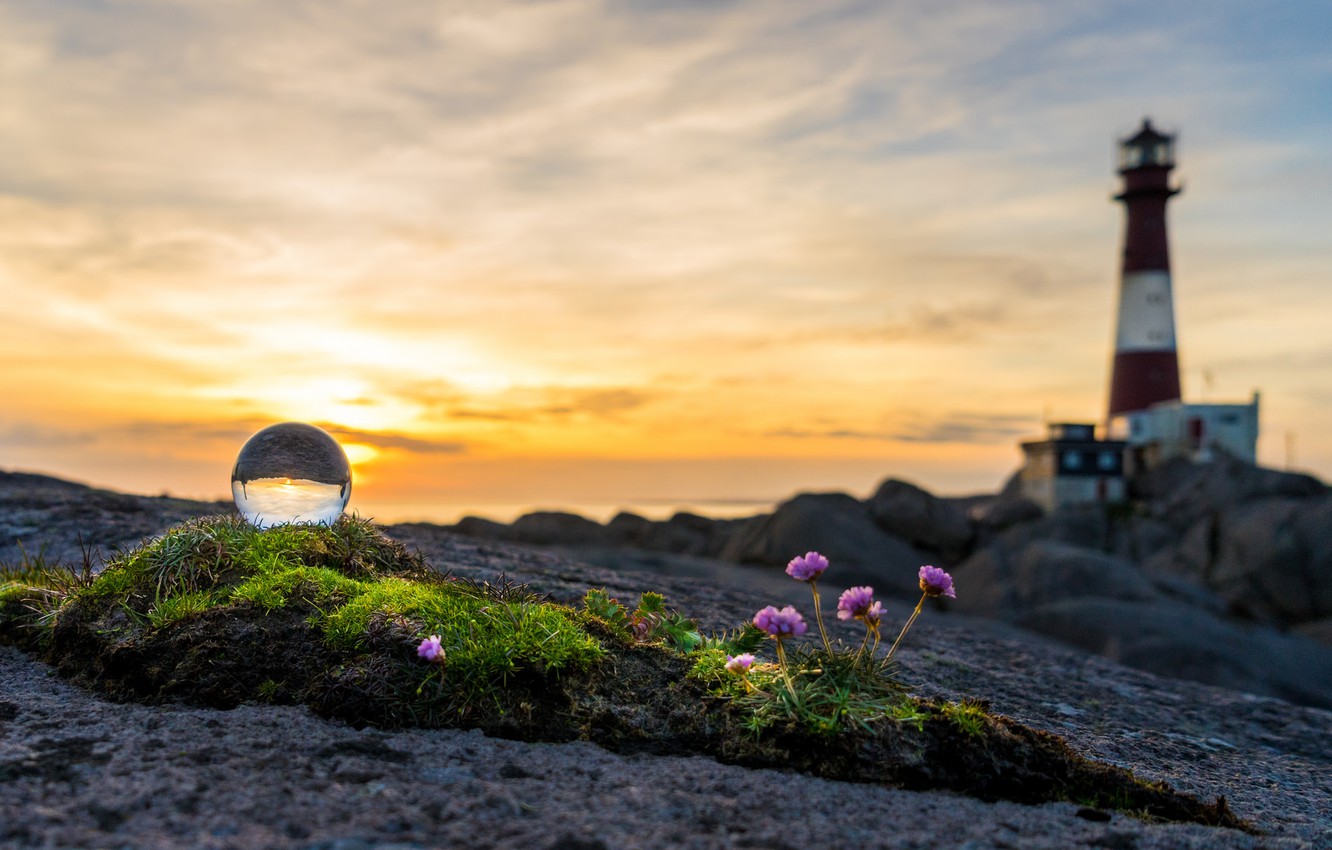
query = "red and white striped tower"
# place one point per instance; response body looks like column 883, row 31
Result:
column 1146, row 365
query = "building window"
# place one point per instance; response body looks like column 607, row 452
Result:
column 1072, row 460
column 1107, row 461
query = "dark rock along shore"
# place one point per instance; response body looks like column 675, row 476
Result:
column 77, row 771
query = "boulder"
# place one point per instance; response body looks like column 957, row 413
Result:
column 541, row 528
column 1270, row 560
column 1131, row 536
column 997, row 513
column 486, row 529
column 1170, row 638
column 682, row 534
column 556, row 528
column 628, row 529
column 1317, row 630
column 1003, row 583
column 838, row 526
column 921, row 519
column 1182, row 491
column 1106, row 605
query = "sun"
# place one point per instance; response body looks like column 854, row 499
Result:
column 359, row 454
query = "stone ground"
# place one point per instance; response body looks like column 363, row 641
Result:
column 77, row 771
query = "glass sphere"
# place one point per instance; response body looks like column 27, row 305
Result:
column 289, row 473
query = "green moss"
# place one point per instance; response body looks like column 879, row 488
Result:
column 347, row 585
column 969, row 717
column 277, row 582
column 13, row 591
column 174, row 609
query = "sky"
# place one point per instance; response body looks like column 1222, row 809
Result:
column 601, row 254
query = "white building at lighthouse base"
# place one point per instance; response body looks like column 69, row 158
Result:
column 1172, row 429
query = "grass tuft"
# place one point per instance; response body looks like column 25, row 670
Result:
column 833, row 693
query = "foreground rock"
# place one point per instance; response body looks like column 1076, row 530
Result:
column 76, row 771
column 218, row 613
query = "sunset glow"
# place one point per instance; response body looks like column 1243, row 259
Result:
column 576, row 253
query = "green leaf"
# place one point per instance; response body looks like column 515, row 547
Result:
column 681, row 632
column 651, row 603
column 600, row 604
column 747, row 638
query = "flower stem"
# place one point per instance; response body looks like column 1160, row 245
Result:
column 864, row 642
column 786, row 674
column 818, row 615
column 901, row 634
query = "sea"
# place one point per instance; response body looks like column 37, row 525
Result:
column 443, row 513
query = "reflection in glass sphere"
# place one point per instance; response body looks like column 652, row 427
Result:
column 291, row 472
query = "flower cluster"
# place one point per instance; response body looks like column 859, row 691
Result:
column 431, row 650
column 936, row 582
column 807, row 567
column 780, row 624
column 933, row 582
column 739, row 664
column 857, row 603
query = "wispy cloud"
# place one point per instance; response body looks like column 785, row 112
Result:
column 531, row 405
column 402, row 442
column 957, row 428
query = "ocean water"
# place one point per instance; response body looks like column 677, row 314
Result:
column 447, row 513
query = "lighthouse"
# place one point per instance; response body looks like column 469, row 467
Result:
column 1149, row 424
column 1146, row 364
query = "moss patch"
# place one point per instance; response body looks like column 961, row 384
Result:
column 218, row 613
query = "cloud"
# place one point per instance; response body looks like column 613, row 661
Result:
column 181, row 433
column 969, row 428
column 26, row 435
column 400, row 442
column 521, row 405
column 961, row 428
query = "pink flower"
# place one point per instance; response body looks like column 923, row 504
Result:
column 430, row 649
column 739, row 664
column 807, row 567
column 780, row 624
column 854, row 602
column 873, row 614
column 936, row 582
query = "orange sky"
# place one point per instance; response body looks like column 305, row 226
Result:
column 577, row 253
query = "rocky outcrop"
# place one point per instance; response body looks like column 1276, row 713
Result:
column 1132, row 535
column 1008, row 586
column 1182, row 492
column 61, row 521
column 991, row 515
column 1107, row 605
column 541, row 528
column 841, row 528
column 1270, row 560
column 925, row 521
